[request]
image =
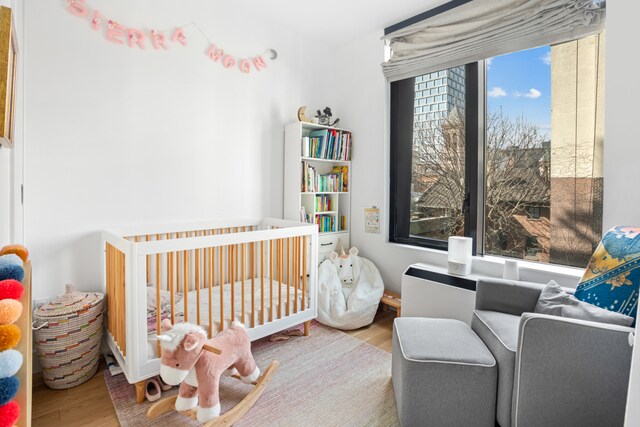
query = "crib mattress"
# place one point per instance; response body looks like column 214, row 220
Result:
column 271, row 305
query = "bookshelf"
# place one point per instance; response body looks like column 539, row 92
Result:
column 317, row 181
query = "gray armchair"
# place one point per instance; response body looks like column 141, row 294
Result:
column 552, row 371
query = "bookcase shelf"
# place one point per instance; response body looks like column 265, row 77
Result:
column 304, row 172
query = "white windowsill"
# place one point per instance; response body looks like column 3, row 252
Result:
column 490, row 265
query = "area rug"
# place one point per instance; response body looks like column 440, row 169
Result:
column 326, row 379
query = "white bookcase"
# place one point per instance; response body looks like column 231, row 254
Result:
column 295, row 198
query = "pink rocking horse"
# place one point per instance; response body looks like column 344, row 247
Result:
column 194, row 362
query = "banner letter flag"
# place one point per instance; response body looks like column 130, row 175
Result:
column 78, row 8
column 135, row 37
column 158, row 40
column 114, row 32
column 245, row 66
column 179, row 36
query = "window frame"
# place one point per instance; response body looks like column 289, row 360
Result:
column 402, row 96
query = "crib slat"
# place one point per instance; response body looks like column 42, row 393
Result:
column 304, row 271
column 185, row 282
column 296, row 273
column 158, row 306
column 271, row 268
column 232, row 280
column 253, row 290
column 212, row 254
column 170, row 283
column 280, row 265
column 221, row 327
column 197, row 281
column 289, row 265
column 262, row 282
column 244, row 274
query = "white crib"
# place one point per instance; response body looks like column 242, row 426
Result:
column 213, row 272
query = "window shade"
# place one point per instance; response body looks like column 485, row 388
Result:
column 482, row 29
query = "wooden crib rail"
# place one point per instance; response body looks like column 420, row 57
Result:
column 217, row 240
column 183, row 227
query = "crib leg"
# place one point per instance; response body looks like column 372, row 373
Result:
column 307, row 325
column 140, row 391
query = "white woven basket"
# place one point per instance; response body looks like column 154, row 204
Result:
column 68, row 332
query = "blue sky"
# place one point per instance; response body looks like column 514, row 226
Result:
column 520, row 84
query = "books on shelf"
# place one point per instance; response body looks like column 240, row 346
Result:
column 323, row 203
column 327, row 144
column 335, row 181
column 305, row 217
column 342, row 224
column 326, row 223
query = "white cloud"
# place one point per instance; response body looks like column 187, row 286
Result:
column 488, row 62
column 546, row 58
column 496, row 92
column 533, row 94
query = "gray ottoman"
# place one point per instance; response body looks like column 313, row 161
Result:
column 442, row 374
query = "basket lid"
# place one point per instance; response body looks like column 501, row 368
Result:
column 70, row 302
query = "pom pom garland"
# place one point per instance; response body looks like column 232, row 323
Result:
column 10, row 363
column 10, row 311
column 9, row 414
column 9, row 336
column 8, row 389
column 11, row 271
column 11, row 288
column 18, row 250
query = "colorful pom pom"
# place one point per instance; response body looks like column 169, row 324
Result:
column 10, row 311
column 18, row 250
column 10, row 363
column 11, row 271
column 9, row 414
column 11, row 288
column 8, row 389
column 11, row 259
column 9, row 336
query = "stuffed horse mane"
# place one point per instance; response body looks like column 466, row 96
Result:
column 171, row 339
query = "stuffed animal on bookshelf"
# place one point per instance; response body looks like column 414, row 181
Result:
column 324, row 117
column 196, row 363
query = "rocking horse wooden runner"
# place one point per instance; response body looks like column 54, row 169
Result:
column 194, row 362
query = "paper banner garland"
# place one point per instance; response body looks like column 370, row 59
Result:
column 137, row 38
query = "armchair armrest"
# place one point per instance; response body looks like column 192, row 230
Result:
column 507, row 296
column 570, row 372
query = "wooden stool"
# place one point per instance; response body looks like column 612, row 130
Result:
column 391, row 299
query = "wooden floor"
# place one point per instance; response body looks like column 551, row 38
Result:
column 90, row 404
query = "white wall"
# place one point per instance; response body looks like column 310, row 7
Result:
column 120, row 136
column 622, row 148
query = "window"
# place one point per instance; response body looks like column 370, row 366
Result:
column 519, row 168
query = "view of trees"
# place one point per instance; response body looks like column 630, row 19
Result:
column 517, row 187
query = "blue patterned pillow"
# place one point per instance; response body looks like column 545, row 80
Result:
column 612, row 278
